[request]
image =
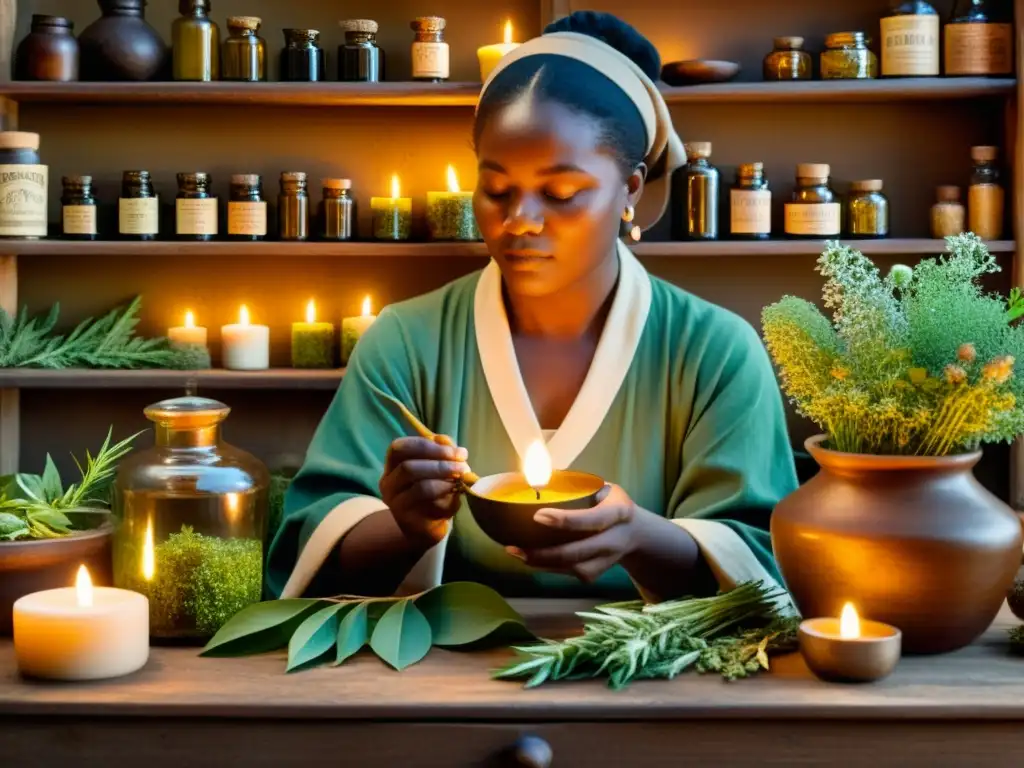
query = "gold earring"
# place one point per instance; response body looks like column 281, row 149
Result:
column 635, row 233
column 627, row 215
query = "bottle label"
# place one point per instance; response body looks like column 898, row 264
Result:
column 196, row 217
column 812, row 219
column 80, row 220
column 23, row 191
column 750, row 211
column 910, row 45
column 430, row 60
column 138, row 215
column 979, row 49
column 985, row 210
column 247, row 219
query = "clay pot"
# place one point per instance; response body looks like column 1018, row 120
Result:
column 120, row 45
column 34, row 565
column 48, row 52
column 912, row 541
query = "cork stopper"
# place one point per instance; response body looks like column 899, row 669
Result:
column 428, row 24
column 199, row 177
column 246, row 179
column 979, row 154
column 793, row 43
column 366, row 26
column 293, row 176
column 337, row 183
column 698, row 149
column 135, row 176
column 948, row 193
column 76, row 181
column 301, row 35
column 251, row 23
column 866, row 185
column 749, row 170
column 19, row 140
column 813, row 170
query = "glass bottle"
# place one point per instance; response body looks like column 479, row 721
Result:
column 985, row 197
column 245, row 52
column 948, row 215
column 195, row 209
column 121, row 45
column 196, row 43
column 337, row 210
column 867, row 209
column 814, row 210
column 750, row 204
column 360, row 59
column 138, row 208
column 293, row 207
column 302, row 60
column 48, row 52
column 701, row 193
column 78, row 209
column 788, row 60
column 247, row 209
column 979, row 39
column 847, row 57
column 193, row 518
column 910, row 40
column 24, row 185
column 430, row 55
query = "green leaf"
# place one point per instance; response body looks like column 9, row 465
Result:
column 352, row 631
column 463, row 612
column 31, row 486
column 51, row 517
column 52, row 486
column 314, row 638
column 12, row 526
column 261, row 627
column 402, row 635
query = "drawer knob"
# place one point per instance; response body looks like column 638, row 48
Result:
column 532, row 752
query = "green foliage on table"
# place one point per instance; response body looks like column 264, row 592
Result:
column 920, row 362
column 732, row 634
column 40, row 507
column 399, row 630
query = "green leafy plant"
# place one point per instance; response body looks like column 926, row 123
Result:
column 732, row 634
column 920, row 362
column 400, row 631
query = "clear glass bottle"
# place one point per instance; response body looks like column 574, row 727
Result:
column 979, row 39
column 337, row 214
column 138, row 208
column 867, row 210
column 750, row 204
column 245, row 52
column 814, row 210
column 847, row 57
column 948, row 214
column 195, row 43
column 302, row 60
column 78, row 209
column 985, row 196
column 247, row 208
column 360, row 59
column 788, row 60
column 910, row 40
column 195, row 209
column 430, row 54
column 293, row 207
column 192, row 514
column 701, row 193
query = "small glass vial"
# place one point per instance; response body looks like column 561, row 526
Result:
column 337, row 210
column 245, row 52
column 910, row 40
column 847, row 57
column 701, row 193
column 78, row 209
column 430, row 59
column 293, row 207
column 138, row 208
column 196, row 43
column 948, row 214
column 985, row 196
column 247, row 209
column 867, row 209
column 360, row 59
column 788, row 60
column 750, row 204
column 814, row 210
column 302, row 60
column 195, row 210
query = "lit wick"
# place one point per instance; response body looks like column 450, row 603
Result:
column 537, row 466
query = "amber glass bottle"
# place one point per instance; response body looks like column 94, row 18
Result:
column 750, row 204
column 701, row 193
column 985, row 196
column 979, row 39
column 195, row 210
column 138, row 209
column 910, row 40
column 814, row 210
column 867, row 209
column 788, row 60
column 245, row 52
column 78, row 209
column 293, row 207
column 196, row 43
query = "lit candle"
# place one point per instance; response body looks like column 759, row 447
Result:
column 81, row 632
column 352, row 328
column 538, row 482
column 392, row 216
column 849, row 649
column 450, row 214
column 246, row 346
column 312, row 342
column 189, row 333
column 489, row 55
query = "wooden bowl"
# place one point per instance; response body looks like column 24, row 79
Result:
column 511, row 523
column 699, row 72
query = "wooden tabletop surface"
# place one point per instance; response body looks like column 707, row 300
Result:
column 980, row 682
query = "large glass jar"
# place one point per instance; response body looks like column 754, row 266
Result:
column 847, row 57
column 788, row 60
column 192, row 514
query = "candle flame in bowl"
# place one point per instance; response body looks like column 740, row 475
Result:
column 190, row 319
column 243, row 315
column 508, row 32
column 453, row 180
column 83, row 588
column 537, row 465
column 148, row 554
column 849, row 623
column 367, row 307
column 311, row 312
column 395, row 189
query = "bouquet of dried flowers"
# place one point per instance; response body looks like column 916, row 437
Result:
column 920, row 362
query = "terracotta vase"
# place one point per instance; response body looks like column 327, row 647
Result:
column 120, row 45
column 913, row 541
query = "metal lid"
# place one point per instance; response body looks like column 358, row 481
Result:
column 866, row 185
column 981, row 154
column 187, row 412
column 19, row 140
column 76, row 181
column 813, row 170
column 948, row 193
column 251, row 23
column 293, row 176
column 368, row 26
column 793, row 43
column 750, row 169
column 247, row 179
column 698, row 149
column 428, row 24
column 846, row 40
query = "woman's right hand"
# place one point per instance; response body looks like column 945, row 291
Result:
column 420, row 485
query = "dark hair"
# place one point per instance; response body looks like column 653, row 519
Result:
column 580, row 87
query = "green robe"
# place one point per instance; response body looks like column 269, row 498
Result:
column 680, row 407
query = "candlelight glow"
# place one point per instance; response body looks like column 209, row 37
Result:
column 849, row 623
column 537, row 465
column 395, row 190
column 83, row 588
column 367, row 308
column 243, row 315
column 453, row 180
column 190, row 320
column 233, row 503
column 148, row 554
column 508, row 32
column 311, row 312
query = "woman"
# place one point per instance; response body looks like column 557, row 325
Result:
column 564, row 337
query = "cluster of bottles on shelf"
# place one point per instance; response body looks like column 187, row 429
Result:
column 978, row 40
column 814, row 210
column 121, row 45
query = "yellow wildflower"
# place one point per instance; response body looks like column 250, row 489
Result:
column 999, row 370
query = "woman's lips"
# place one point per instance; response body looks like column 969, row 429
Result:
column 526, row 258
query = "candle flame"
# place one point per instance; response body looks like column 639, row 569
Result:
column 311, row 312
column 83, row 588
column 367, row 308
column 508, row 31
column 243, row 315
column 537, row 465
column 395, row 190
column 453, row 180
column 849, row 623
column 190, row 319
column 148, row 554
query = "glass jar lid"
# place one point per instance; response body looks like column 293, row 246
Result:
column 866, row 185
column 359, row 26
column 813, row 170
column 698, row 149
column 183, row 413
column 793, row 43
column 847, row 40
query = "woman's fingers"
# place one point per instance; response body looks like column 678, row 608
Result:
column 408, row 448
column 565, row 556
column 435, row 499
column 599, row 518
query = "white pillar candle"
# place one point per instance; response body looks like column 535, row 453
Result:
column 246, row 346
column 189, row 333
column 352, row 328
column 81, row 632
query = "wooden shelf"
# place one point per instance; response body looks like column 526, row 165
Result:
column 275, row 378
column 411, row 94
column 893, row 245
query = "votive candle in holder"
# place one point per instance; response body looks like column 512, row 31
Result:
column 352, row 328
column 450, row 214
column 189, row 333
column 312, row 342
column 392, row 216
column 246, row 347
column 490, row 55
column 848, row 649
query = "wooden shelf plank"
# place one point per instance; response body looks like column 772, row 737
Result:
column 273, row 379
column 850, row 91
column 725, row 248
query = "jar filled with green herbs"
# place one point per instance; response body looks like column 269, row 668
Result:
column 788, row 60
column 847, row 57
column 867, row 209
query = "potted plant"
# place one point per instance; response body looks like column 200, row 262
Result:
column 47, row 530
column 913, row 373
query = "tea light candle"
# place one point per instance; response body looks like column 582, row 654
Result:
column 352, row 329
column 312, row 342
column 450, row 214
column 392, row 216
column 189, row 333
column 81, row 632
column 489, row 55
column 849, row 649
column 246, row 346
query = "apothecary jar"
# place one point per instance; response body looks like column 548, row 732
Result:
column 192, row 515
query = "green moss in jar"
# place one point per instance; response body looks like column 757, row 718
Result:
column 847, row 57
column 868, row 209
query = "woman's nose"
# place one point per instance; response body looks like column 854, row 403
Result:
column 524, row 218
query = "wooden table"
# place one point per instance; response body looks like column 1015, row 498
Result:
column 182, row 711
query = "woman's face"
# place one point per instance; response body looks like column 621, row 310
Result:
column 549, row 197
